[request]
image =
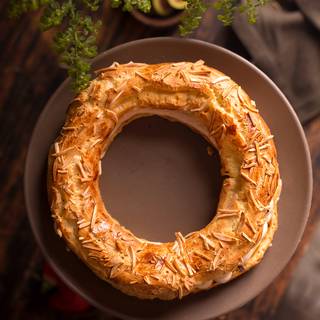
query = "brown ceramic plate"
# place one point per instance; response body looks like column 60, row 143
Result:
column 168, row 182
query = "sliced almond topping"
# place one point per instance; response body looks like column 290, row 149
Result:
column 267, row 139
column 250, row 224
column 59, row 233
column 223, row 244
column 215, row 261
column 191, row 271
column 214, row 131
column 99, row 168
column 265, row 157
column 82, row 170
column 93, row 216
column 114, row 65
column 266, row 181
column 81, row 221
column 196, row 79
column 113, row 115
column 253, row 158
column 56, row 147
column 245, row 103
column 256, row 144
column 178, row 266
column 220, row 79
column 248, row 178
column 147, row 280
column 227, row 215
column 68, row 128
column 212, row 119
column 250, row 165
column 241, row 221
column 169, row 265
column 134, row 64
column 176, row 247
column 207, row 242
column 199, row 62
column 62, row 171
column 204, row 73
column 178, row 64
column 254, row 137
column 87, row 241
column 84, row 225
column 181, row 237
column 61, row 152
column 137, row 88
column 228, row 210
column 201, row 255
column 117, row 96
column 94, row 142
column 133, row 257
column 187, row 284
column 184, row 76
column 133, row 282
column 270, row 170
column 181, row 242
column 180, row 292
column 92, row 248
column 229, row 90
column 256, row 202
column 264, row 146
column 114, row 270
column 191, row 234
column 224, row 237
column 247, row 237
column 200, row 109
column 173, row 280
column 141, row 75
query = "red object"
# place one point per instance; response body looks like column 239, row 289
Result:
column 63, row 299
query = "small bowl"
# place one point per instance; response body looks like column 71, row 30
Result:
column 157, row 22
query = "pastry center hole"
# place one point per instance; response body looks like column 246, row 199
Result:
column 158, row 178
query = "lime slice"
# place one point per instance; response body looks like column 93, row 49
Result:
column 161, row 7
column 177, row 4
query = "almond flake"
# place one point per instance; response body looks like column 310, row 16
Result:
column 207, row 242
column 224, row 237
column 113, row 115
column 202, row 255
column 248, row 178
column 84, row 225
column 215, row 261
column 228, row 91
column 169, row 265
column 133, row 257
column 247, row 237
column 92, row 248
column 93, row 217
column 220, row 79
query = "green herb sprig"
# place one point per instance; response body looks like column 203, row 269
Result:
column 76, row 38
column 228, row 8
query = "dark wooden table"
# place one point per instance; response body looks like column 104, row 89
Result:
column 29, row 75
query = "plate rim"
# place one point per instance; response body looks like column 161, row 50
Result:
column 307, row 156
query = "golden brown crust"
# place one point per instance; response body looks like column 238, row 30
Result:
column 210, row 103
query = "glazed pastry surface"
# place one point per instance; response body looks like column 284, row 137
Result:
column 217, row 108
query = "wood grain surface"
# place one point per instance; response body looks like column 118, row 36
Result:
column 29, row 74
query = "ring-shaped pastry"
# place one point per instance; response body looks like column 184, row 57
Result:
column 213, row 105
